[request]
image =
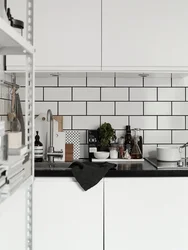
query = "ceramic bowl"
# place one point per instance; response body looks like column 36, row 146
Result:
column 101, row 155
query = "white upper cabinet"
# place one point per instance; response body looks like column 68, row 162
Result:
column 67, row 34
column 145, row 34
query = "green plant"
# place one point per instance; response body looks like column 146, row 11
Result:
column 106, row 134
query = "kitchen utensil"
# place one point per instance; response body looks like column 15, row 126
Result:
column 69, row 152
column 101, row 155
column 19, row 115
column 15, row 124
column 169, row 153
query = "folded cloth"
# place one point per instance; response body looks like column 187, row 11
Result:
column 88, row 174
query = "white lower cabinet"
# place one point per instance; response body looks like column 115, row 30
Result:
column 66, row 217
column 146, row 213
column 12, row 222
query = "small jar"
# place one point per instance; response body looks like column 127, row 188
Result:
column 121, row 142
column 113, row 153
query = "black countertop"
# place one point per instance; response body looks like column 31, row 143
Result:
column 128, row 169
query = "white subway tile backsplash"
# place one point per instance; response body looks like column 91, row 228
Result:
column 171, row 122
column 143, row 94
column 120, row 133
column 84, row 151
column 157, row 108
column 72, row 79
column 72, row 108
column 157, row 81
column 114, row 94
column 171, row 94
column 180, row 81
column 57, row 94
column 100, row 108
column 86, row 122
column 180, row 136
column 149, row 151
column 117, row 122
column 66, row 122
column 42, row 107
column 38, row 94
column 100, row 79
column 86, row 94
column 7, row 122
column 180, row 108
column 157, row 136
column 122, row 80
column 143, row 122
column 129, row 108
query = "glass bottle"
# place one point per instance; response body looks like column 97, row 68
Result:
column 121, row 143
column 137, row 133
column 128, row 139
column 136, row 152
column 38, row 148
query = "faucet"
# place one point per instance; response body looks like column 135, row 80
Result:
column 51, row 153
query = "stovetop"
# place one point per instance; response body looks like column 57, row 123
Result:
column 183, row 164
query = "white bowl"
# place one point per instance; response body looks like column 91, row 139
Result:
column 101, row 155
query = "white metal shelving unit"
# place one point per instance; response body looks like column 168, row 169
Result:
column 12, row 43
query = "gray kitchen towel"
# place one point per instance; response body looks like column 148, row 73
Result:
column 88, row 174
column 19, row 115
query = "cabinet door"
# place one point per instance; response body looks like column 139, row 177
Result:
column 12, row 222
column 145, row 34
column 67, row 34
column 66, row 217
column 146, row 213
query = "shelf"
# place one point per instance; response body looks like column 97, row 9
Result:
column 117, row 160
column 11, row 42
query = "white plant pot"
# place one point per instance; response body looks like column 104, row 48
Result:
column 171, row 153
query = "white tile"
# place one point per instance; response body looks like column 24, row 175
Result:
column 171, row 122
column 39, row 81
column 86, row 94
column 150, row 151
column 83, row 136
column 100, row 79
column 157, row 81
column 72, row 79
column 180, row 108
column 180, row 136
column 100, row 108
column 128, row 81
column 5, row 107
column 157, row 136
column 129, row 108
column 84, row 151
column 186, row 94
column 186, row 122
column 66, row 122
column 143, row 94
column 5, row 92
column 114, row 94
column 42, row 107
column 171, row 94
column 180, row 81
column 72, row 108
column 143, row 122
column 117, row 122
column 157, row 108
column 38, row 94
column 86, row 122
column 120, row 133
column 57, row 94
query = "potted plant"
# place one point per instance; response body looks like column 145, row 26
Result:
column 106, row 136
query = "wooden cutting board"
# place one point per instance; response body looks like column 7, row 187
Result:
column 59, row 119
column 69, row 152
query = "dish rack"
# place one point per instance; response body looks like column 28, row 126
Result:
column 18, row 171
